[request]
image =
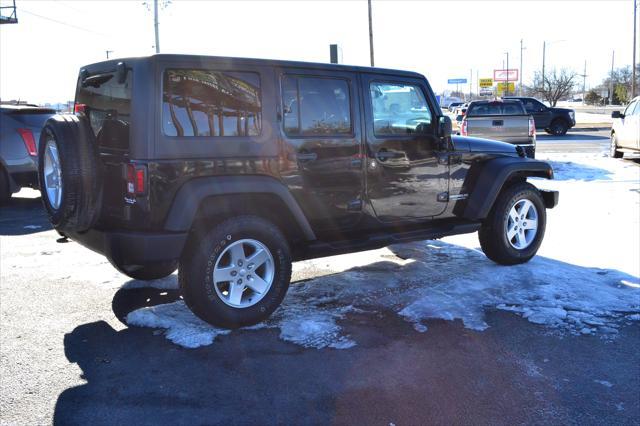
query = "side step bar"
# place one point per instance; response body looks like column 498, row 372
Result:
column 331, row 248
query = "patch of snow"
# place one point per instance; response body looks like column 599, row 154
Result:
column 604, row 383
column 183, row 327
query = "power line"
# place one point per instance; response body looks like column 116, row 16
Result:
column 63, row 23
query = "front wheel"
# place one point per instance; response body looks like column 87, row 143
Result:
column 514, row 229
column 237, row 273
column 614, row 147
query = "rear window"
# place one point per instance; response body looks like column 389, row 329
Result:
column 495, row 108
column 198, row 102
column 107, row 104
column 32, row 117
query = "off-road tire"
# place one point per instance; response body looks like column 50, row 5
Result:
column 148, row 272
column 5, row 190
column 80, row 169
column 558, row 127
column 614, row 147
column 493, row 236
column 195, row 272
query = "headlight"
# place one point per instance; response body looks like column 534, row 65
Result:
column 572, row 114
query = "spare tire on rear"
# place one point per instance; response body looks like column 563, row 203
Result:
column 69, row 172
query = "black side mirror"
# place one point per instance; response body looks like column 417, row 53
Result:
column 617, row 114
column 444, row 127
column 121, row 73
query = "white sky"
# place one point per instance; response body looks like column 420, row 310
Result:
column 40, row 58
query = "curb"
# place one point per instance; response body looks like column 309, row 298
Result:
column 590, row 128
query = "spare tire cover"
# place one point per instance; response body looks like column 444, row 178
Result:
column 70, row 173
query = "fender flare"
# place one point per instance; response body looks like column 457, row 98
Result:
column 190, row 196
column 492, row 177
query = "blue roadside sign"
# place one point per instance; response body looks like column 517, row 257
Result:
column 457, row 81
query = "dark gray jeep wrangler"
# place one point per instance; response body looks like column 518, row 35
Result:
column 230, row 169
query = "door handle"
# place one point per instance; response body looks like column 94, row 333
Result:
column 384, row 154
column 498, row 123
column 305, row 157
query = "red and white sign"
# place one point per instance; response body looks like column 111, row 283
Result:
column 505, row 75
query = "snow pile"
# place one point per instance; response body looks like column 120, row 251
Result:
column 583, row 281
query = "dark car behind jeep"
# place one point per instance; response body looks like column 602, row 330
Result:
column 230, row 169
column 555, row 121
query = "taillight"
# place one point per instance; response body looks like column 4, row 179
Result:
column 136, row 179
column 29, row 141
column 79, row 108
column 532, row 127
column 463, row 128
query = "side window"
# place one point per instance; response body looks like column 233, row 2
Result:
column 399, row 109
column 316, row 106
column 197, row 102
column 530, row 106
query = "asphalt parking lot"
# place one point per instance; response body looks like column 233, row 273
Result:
column 68, row 356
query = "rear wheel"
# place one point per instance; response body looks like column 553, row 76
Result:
column 514, row 229
column 559, row 127
column 614, row 147
column 237, row 273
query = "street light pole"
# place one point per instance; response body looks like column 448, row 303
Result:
column 370, row 34
column 155, row 24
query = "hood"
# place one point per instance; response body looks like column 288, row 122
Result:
column 467, row 143
column 565, row 110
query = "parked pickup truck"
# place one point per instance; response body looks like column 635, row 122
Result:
column 555, row 121
column 503, row 120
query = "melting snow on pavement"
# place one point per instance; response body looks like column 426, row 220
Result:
column 580, row 283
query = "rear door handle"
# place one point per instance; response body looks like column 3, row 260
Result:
column 305, row 157
column 384, row 155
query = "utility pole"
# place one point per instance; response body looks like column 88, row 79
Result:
column 544, row 48
column 506, row 89
column 108, row 51
column 477, row 82
column 584, row 81
column 521, row 49
column 370, row 34
column 470, row 80
column 633, row 63
column 155, row 24
column 613, row 55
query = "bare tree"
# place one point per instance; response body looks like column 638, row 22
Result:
column 556, row 85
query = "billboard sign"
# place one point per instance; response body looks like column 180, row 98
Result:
column 486, row 82
column 457, row 81
column 505, row 75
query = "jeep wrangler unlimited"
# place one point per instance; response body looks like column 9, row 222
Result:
column 230, row 169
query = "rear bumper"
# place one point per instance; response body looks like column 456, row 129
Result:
column 133, row 248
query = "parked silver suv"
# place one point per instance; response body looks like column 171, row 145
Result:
column 20, row 127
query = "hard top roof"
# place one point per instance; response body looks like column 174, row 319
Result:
column 253, row 61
